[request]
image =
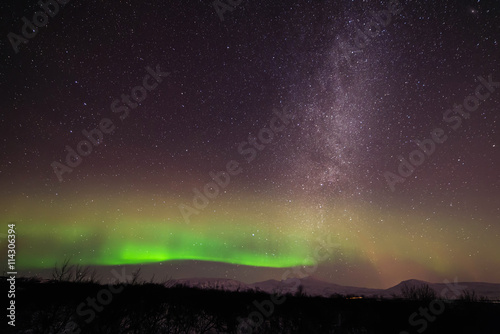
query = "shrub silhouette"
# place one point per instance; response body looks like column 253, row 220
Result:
column 421, row 292
column 150, row 308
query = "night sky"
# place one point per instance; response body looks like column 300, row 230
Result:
column 234, row 148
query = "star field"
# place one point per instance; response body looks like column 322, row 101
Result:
column 354, row 107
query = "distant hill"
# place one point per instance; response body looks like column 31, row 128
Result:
column 315, row 287
column 211, row 283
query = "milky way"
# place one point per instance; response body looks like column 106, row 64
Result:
column 358, row 97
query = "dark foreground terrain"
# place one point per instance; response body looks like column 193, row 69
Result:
column 71, row 307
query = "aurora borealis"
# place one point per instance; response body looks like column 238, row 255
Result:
column 317, row 180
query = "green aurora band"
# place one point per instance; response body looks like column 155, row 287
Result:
column 157, row 242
